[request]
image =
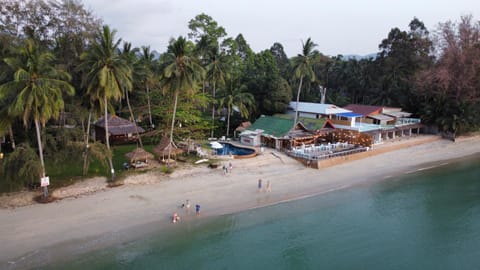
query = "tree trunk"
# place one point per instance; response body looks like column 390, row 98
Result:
column 133, row 119
column 12, row 139
column 323, row 93
column 213, row 111
column 149, row 106
column 40, row 153
column 173, row 125
column 296, row 105
column 203, row 92
column 87, row 146
column 107, row 140
column 228, row 122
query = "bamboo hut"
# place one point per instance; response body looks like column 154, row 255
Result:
column 139, row 157
column 164, row 147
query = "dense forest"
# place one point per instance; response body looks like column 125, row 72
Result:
column 61, row 69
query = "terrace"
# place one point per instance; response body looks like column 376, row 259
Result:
column 325, row 151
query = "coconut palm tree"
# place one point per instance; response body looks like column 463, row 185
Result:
column 39, row 88
column 130, row 57
column 216, row 73
column 237, row 97
column 108, row 76
column 181, row 74
column 147, row 61
column 302, row 67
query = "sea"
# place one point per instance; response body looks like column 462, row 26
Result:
column 426, row 219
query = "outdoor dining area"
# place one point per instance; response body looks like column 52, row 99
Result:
column 324, row 151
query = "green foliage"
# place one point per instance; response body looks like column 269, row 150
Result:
column 38, row 85
column 109, row 75
column 167, row 169
column 203, row 26
column 20, row 169
column 165, row 94
column 449, row 91
column 303, row 67
column 182, row 73
column 263, row 80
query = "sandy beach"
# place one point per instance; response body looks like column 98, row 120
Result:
column 151, row 198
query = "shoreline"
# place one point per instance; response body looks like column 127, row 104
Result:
column 107, row 213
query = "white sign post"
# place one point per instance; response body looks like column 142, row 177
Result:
column 44, row 183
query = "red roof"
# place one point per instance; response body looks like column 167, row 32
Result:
column 364, row 110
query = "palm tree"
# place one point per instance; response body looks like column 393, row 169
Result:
column 108, row 75
column 39, row 87
column 181, row 74
column 130, row 57
column 147, row 62
column 239, row 98
column 216, row 73
column 302, row 66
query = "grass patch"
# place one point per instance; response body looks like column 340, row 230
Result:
column 69, row 171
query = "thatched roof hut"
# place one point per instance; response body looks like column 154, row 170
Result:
column 139, row 154
column 165, row 146
column 119, row 129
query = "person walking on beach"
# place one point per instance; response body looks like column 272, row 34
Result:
column 197, row 209
column 230, row 166
column 259, row 184
column 225, row 169
column 269, row 186
column 187, row 206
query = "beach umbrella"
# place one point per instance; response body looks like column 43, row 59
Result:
column 216, row 145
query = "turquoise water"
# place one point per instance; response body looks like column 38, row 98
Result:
column 426, row 220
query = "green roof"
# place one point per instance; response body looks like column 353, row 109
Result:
column 309, row 123
column 274, row 126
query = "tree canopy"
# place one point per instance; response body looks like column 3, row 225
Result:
column 191, row 87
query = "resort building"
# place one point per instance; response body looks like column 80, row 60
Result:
column 315, row 110
column 381, row 123
column 278, row 132
column 119, row 130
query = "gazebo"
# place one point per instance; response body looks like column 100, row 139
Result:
column 164, row 147
column 138, row 157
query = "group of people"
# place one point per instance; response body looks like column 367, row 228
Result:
column 227, row 168
column 186, row 206
column 268, row 186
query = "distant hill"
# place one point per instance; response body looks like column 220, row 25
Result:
column 359, row 57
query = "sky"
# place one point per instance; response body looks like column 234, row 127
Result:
column 344, row 27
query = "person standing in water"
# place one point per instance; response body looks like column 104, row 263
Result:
column 197, row 209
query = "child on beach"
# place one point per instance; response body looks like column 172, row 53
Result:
column 269, row 186
column 197, row 209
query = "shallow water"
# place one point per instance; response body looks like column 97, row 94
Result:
column 424, row 220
